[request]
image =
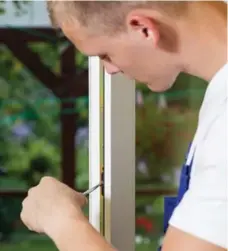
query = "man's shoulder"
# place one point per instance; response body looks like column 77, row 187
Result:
column 213, row 145
column 215, row 96
column 210, row 161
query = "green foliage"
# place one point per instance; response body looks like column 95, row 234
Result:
column 34, row 105
column 82, row 166
column 40, row 243
column 9, row 212
column 152, row 134
column 52, row 50
column 81, row 61
column 82, row 106
column 187, row 92
column 21, row 159
column 159, row 133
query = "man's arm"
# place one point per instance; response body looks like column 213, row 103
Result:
column 79, row 235
column 177, row 240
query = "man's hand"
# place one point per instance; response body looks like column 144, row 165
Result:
column 51, row 205
column 55, row 209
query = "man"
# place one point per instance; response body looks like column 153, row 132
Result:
column 151, row 42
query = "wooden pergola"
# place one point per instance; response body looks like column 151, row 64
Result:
column 67, row 86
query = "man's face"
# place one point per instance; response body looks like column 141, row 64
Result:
column 139, row 57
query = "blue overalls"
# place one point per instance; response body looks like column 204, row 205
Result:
column 170, row 203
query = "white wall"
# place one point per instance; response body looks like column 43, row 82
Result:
column 35, row 16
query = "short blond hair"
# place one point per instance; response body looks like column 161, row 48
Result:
column 107, row 15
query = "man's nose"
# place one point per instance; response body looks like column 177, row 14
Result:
column 111, row 69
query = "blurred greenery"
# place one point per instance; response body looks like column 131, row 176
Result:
column 34, row 245
column 45, row 244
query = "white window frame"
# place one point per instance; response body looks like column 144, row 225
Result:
column 115, row 119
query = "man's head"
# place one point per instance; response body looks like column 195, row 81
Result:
column 142, row 39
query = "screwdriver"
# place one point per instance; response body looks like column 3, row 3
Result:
column 92, row 189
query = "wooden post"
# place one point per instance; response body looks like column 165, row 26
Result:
column 68, row 119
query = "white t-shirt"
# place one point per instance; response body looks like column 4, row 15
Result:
column 203, row 211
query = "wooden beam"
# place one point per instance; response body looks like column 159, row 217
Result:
column 74, row 86
column 17, row 193
column 139, row 192
column 35, row 34
column 68, row 129
column 33, row 62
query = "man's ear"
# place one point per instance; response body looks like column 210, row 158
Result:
column 144, row 26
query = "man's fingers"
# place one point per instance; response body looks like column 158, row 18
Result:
column 36, row 207
column 24, row 202
column 85, row 200
column 47, row 179
column 31, row 191
column 23, row 213
column 80, row 199
column 26, row 212
column 23, row 219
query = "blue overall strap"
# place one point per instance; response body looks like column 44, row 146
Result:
column 184, row 178
column 170, row 203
